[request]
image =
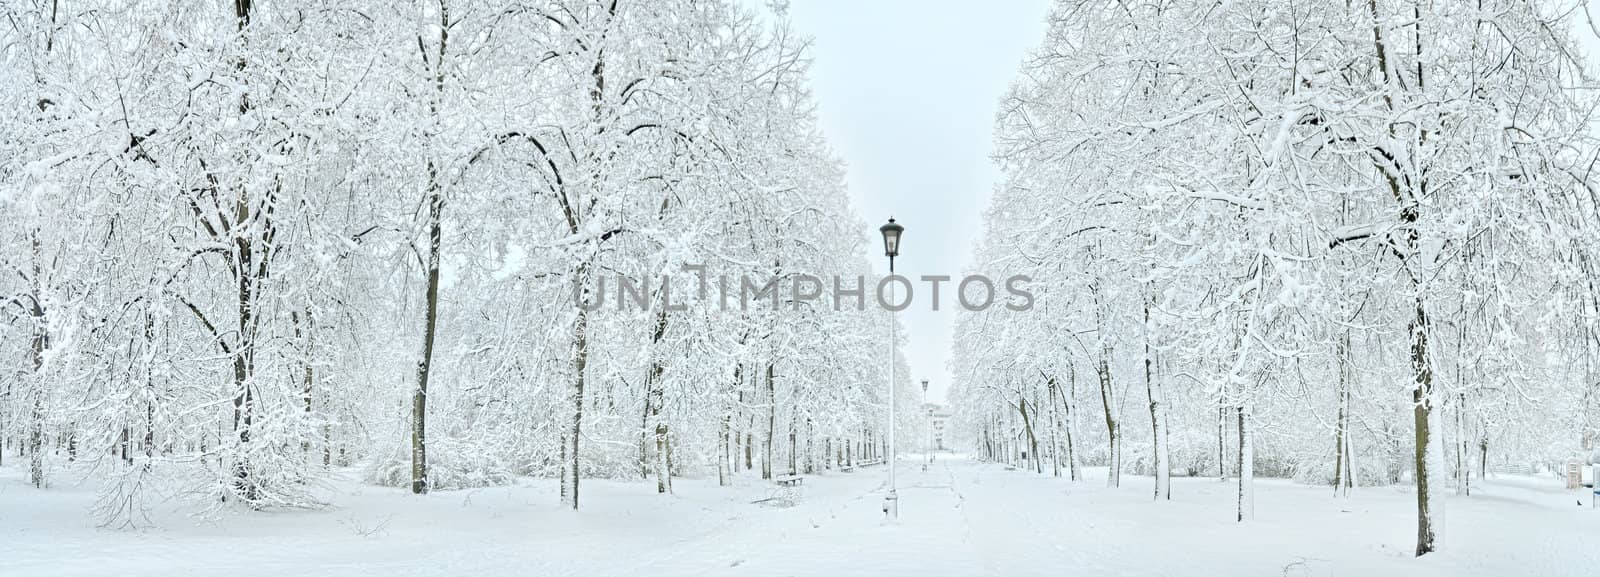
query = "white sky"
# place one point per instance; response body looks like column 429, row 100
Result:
column 907, row 92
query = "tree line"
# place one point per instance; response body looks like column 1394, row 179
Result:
column 1346, row 242
column 245, row 244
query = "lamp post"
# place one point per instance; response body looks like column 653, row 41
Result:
column 891, row 248
column 928, row 426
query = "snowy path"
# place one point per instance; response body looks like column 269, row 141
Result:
column 959, row 518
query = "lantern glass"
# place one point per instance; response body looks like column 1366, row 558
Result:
column 891, row 238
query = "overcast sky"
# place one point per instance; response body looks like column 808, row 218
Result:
column 907, row 92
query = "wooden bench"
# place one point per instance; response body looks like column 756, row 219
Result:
column 789, row 480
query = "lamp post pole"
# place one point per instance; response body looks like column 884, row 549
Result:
column 927, row 445
column 891, row 248
column 893, row 502
column 927, row 414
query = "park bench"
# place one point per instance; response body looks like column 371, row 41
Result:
column 846, row 468
column 786, row 493
column 1594, row 487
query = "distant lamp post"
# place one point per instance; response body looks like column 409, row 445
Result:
column 891, row 248
column 928, row 444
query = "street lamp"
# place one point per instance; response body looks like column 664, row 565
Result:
column 928, row 424
column 891, row 248
column 891, row 241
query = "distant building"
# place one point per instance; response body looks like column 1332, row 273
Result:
column 940, row 415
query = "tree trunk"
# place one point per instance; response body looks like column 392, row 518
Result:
column 1341, row 465
column 1113, row 436
column 1055, row 426
column 655, row 401
column 724, row 452
column 419, row 396
column 670, row 468
column 1067, row 396
column 1426, row 442
column 661, row 458
column 1247, row 467
column 1222, row 433
column 246, row 276
column 811, row 449
column 571, row 461
column 1153, row 394
column 1108, row 396
column 124, row 443
column 772, row 423
column 36, row 438
column 1460, row 444
column 37, row 344
column 1408, row 193
column 1463, row 486
column 1033, row 442
column 738, row 436
column 1483, row 457
column 308, row 373
column 794, row 450
column 644, row 438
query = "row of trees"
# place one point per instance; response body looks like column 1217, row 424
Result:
column 1348, row 242
column 244, row 244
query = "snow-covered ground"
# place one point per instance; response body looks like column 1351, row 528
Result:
column 958, row 518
